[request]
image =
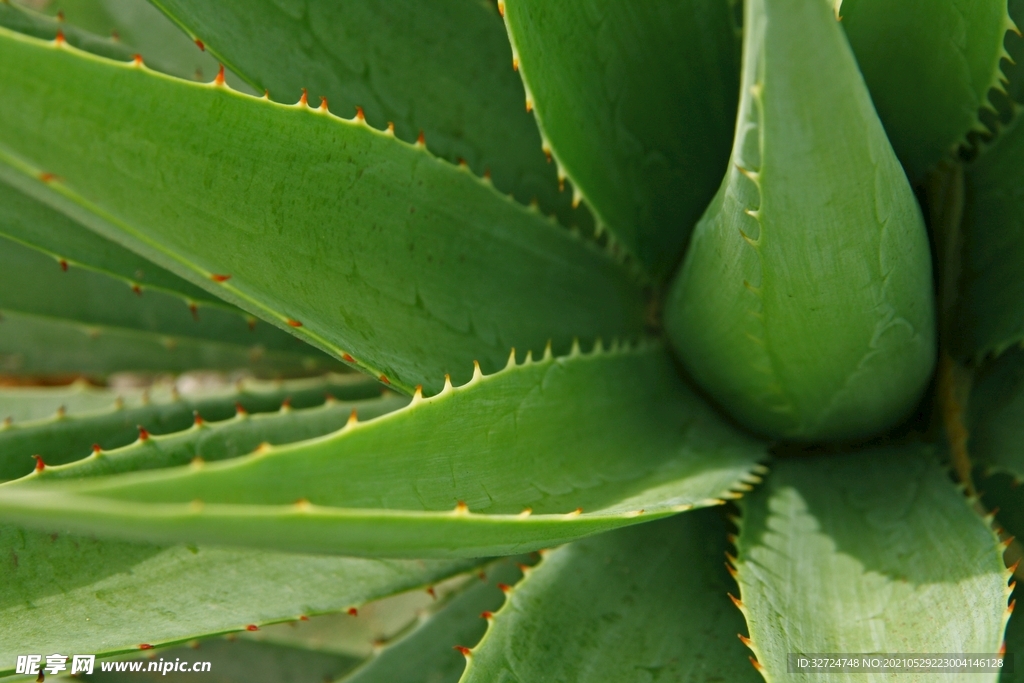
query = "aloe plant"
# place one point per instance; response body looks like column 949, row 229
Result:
column 555, row 305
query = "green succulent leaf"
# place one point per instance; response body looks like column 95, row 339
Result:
column 34, row 224
column 39, row 345
column 24, row 20
column 364, row 245
column 427, row 651
column 458, row 474
column 814, row 228
column 995, row 417
column 443, row 68
column 636, row 103
column 35, row 284
column 1014, row 44
column 378, row 623
column 874, row 551
column 1002, row 493
column 991, row 311
column 65, row 437
column 645, row 603
column 141, row 29
column 222, row 440
column 63, row 593
column 22, row 403
column 929, row 65
column 233, row 661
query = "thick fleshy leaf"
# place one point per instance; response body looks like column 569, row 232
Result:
column 1003, row 494
column 18, row 404
column 364, row 245
column 62, row 593
column 991, row 311
column 140, row 28
column 32, row 283
column 39, row 345
column 995, row 415
column 1014, row 44
column 427, row 651
column 585, row 443
column 24, row 20
column 36, row 225
column 929, row 65
column 222, row 440
column 443, row 68
column 637, row 103
column 648, row 599
column 379, row 622
column 231, row 661
column 64, row 437
column 814, row 228
column 870, row 552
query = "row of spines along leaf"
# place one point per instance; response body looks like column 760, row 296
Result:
column 108, row 433
column 608, row 250
column 601, row 237
column 66, row 436
column 300, row 507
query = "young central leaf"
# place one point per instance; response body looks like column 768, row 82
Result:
column 804, row 303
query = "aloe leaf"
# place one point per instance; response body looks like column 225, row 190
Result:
column 24, row 20
column 991, row 314
column 888, row 555
column 66, row 437
column 128, row 27
column 62, row 593
column 1003, row 495
column 1014, row 44
column 231, row 661
column 648, row 599
column 614, row 87
column 18, row 404
column 929, row 66
column 424, row 268
column 26, row 403
column 230, row 438
column 813, row 228
column 427, row 651
column 34, row 224
column 443, row 68
column 379, row 623
column 995, row 417
column 35, row 284
column 39, row 345
column 522, row 459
